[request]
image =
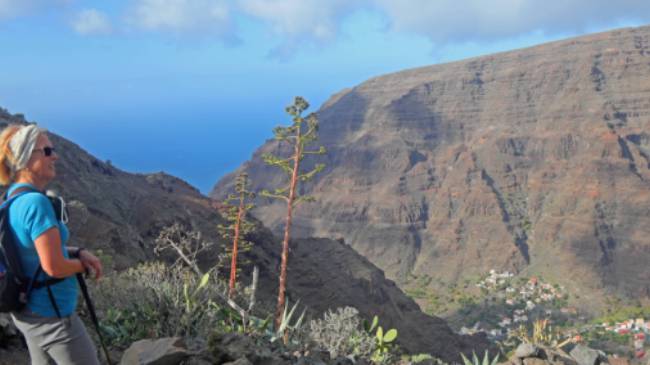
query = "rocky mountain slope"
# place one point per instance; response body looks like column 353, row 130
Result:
column 121, row 214
column 535, row 161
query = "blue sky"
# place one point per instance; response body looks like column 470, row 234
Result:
column 193, row 87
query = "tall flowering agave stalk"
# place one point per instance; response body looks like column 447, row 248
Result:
column 298, row 135
column 238, row 227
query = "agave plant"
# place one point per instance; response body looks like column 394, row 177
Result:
column 286, row 327
column 476, row 361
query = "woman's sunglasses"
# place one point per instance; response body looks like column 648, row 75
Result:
column 47, row 151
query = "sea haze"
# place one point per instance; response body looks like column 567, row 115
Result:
column 198, row 146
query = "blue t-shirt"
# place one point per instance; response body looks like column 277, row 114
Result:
column 30, row 215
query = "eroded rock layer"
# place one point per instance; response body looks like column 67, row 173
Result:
column 534, row 160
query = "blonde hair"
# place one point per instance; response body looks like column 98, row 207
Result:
column 6, row 156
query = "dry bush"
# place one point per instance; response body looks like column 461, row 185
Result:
column 341, row 334
column 155, row 300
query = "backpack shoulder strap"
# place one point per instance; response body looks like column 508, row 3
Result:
column 8, row 198
column 10, row 252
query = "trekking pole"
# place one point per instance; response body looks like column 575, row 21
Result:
column 93, row 315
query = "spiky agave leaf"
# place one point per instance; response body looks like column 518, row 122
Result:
column 465, row 359
column 495, row 360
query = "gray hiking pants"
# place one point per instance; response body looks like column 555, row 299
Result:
column 61, row 341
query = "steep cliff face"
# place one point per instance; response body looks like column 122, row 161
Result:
column 121, row 214
column 535, row 160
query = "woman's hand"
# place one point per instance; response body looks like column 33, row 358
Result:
column 91, row 263
column 50, row 254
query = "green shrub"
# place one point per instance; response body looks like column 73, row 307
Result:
column 385, row 349
column 418, row 358
column 155, row 300
column 384, row 341
column 622, row 313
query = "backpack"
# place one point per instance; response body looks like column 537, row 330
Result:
column 15, row 286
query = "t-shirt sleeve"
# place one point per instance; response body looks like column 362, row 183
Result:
column 39, row 215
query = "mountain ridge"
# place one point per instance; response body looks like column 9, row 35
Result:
column 534, row 160
column 119, row 215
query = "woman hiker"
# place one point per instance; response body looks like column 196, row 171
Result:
column 53, row 331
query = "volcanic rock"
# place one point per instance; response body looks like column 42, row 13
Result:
column 163, row 351
column 534, row 160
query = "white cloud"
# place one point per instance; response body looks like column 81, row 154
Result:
column 91, row 21
column 297, row 22
column 444, row 22
column 182, row 16
column 300, row 18
column 448, row 21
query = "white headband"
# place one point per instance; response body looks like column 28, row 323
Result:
column 22, row 144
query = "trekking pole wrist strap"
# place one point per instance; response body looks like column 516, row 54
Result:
column 76, row 253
